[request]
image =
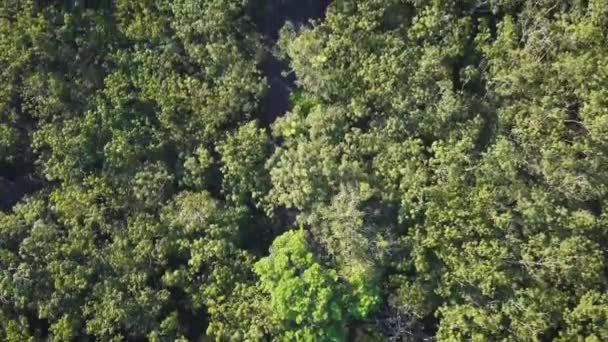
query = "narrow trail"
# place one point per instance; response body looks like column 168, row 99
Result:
column 277, row 13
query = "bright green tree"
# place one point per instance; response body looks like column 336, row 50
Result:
column 308, row 301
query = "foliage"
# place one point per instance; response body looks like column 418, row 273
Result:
column 444, row 160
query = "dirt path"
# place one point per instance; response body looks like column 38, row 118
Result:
column 277, row 13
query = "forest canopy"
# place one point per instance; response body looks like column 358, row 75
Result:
column 437, row 172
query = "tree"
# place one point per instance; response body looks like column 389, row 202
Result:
column 307, row 300
column 122, row 109
column 473, row 119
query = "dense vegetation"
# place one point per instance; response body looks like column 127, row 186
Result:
column 440, row 173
